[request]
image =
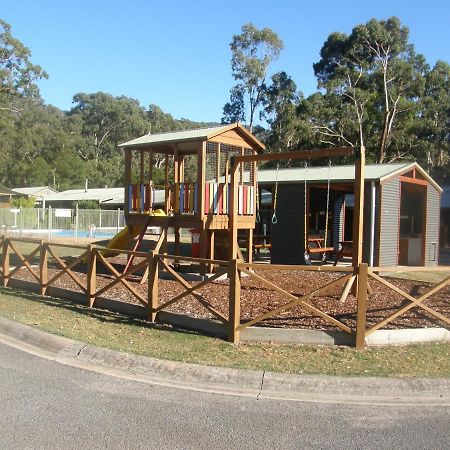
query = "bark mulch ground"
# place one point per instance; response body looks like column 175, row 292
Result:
column 257, row 299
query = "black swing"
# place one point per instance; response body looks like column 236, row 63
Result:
column 323, row 251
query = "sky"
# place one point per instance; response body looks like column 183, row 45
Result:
column 176, row 54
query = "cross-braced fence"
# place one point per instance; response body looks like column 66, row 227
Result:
column 340, row 298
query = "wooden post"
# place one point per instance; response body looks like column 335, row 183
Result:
column 43, row 267
column 152, row 286
column 204, row 247
column 201, row 180
column 234, row 307
column 211, row 238
column 177, row 242
column 166, row 185
column 361, row 307
column 150, row 165
column 5, row 261
column 233, row 213
column 142, row 176
column 91, row 275
column 250, row 246
column 358, row 210
column 218, row 164
column 127, row 181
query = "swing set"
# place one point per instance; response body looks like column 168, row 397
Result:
column 307, row 155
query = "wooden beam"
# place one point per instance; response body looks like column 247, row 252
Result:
column 300, row 154
column 417, row 181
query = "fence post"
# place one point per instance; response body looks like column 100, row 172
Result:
column 91, row 274
column 152, row 286
column 43, row 268
column 234, row 307
column 5, row 261
column 361, row 307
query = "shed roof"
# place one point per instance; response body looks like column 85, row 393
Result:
column 200, row 134
column 6, row 191
column 346, row 173
column 120, row 199
column 35, row 191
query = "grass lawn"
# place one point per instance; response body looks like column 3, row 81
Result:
column 119, row 332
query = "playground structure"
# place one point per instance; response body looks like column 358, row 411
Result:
column 218, row 196
column 199, row 199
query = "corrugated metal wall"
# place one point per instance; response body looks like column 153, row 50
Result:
column 367, row 223
column 390, row 216
column 338, row 220
column 288, row 234
column 432, row 226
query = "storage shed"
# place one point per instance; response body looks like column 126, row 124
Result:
column 401, row 213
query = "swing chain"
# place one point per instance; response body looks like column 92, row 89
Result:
column 327, row 212
column 258, row 215
column 274, row 215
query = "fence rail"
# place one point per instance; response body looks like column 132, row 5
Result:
column 90, row 271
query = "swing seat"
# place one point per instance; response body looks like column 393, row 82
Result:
column 320, row 249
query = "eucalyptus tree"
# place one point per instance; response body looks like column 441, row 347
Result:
column 18, row 75
column 433, row 122
column 280, row 101
column 252, row 51
column 378, row 73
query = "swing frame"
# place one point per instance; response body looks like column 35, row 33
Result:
column 359, row 160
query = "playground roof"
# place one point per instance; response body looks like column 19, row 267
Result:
column 201, row 134
column 341, row 174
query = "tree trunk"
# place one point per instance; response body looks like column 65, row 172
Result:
column 384, row 137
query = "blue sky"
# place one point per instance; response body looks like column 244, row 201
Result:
column 176, row 54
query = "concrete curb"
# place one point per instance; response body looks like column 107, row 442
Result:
column 251, row 383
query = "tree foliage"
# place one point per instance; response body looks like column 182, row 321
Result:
column 252, row 50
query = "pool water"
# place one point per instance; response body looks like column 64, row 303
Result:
column 81, row 234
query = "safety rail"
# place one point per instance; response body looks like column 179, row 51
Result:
column 410, row 300
column 94, row 275
column 184, row 198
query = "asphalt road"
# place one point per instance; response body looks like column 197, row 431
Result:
column 45, row 404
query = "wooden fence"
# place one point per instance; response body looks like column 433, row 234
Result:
column 94, row 264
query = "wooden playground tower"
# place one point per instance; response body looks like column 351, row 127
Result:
column 220, row 198
column 204, row 201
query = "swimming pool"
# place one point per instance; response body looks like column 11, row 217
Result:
column 82, row 233
column 104, row 233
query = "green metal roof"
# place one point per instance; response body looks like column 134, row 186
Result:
column 200, row 134
column 373, row 172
